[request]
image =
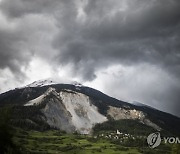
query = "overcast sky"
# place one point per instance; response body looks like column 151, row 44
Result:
column 129, row 49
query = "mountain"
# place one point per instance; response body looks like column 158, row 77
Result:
column 77, row 108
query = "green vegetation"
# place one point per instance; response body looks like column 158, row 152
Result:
column 52, row 142
column 31, row 135
column 176, row 149
column 126, row 126
column 29, row 117
column 6, row 132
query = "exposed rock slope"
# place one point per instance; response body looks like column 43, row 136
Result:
column 68, row 110
column 74, row 107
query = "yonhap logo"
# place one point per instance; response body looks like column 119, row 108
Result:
column 154, row 140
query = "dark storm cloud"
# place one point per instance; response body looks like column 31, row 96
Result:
column 145, row 31
column 11, row 56
column 112, row 31
column 92, row 35
column 128, row 33
column 19, row 8
column 25, row 32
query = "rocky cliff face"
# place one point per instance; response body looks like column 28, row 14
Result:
column 68, row 110
column 120, row 113
column 73, row 111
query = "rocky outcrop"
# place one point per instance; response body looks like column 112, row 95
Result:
column 121, row 113
column 68, row 110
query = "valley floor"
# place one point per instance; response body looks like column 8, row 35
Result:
column 52, row 142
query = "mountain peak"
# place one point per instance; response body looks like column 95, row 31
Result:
column 41, row 83
column 47, row 82
column 71, row 107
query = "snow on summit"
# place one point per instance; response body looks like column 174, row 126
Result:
column 46, row 82
column 41, row 83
